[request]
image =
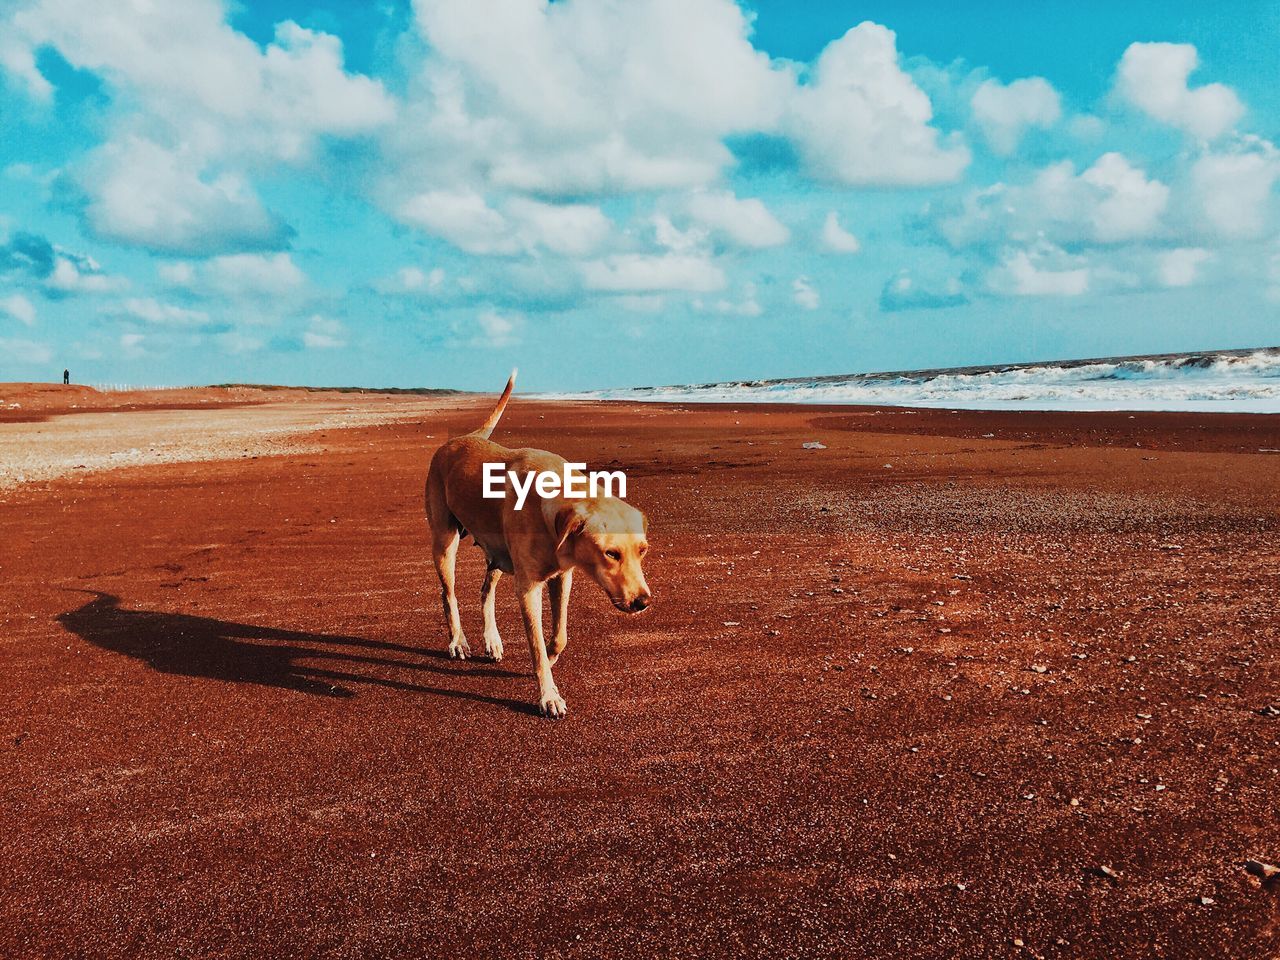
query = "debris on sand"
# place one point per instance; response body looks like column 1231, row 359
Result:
column 1039, row 668
column 1106, row 871
column 814, row 445
column 1266, row 872
column 1270, row 710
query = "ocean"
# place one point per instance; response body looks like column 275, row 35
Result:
column 1240, row 381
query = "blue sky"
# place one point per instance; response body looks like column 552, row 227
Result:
column 610, row 193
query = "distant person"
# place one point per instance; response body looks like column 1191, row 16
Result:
column 66, row 376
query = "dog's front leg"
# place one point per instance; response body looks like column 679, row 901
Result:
column 492, row 640
column 549, row 700
column 559, row 588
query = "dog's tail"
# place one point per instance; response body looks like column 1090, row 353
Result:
column 487, row 427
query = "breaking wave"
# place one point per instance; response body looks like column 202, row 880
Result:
column 1245, row 381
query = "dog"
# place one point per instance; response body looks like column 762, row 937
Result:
column 541, row 544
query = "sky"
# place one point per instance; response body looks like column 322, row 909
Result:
column 627, row 192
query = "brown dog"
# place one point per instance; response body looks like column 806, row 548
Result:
column 542, row 543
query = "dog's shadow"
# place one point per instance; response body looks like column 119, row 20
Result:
column 314, row 663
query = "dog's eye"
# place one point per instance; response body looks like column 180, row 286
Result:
column 613, row 554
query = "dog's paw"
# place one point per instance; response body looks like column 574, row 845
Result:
column 493, row 647
column 552, row 705
column 459, row 649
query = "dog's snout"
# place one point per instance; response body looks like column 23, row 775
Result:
column 640, row 603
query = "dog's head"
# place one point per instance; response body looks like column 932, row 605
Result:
column 605, row 537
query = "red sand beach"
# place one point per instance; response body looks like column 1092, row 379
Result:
column 959, row 684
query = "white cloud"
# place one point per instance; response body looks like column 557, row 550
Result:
column 323, row 333
column 177, row 274
column 748, row 306
column 1006, row 112
column 644, row 273
column 416, row 280
column 25, row 351
column 804, row 294
column 1233, row 189
column 585, row 97
column 904, row 291
column 1153, row 77
column 1040, row 271
column 837, row 239
column 497, row 330
column 1181, row 267
column 466, row 220
column 131, row 344
column 463, row 218
column 1127, row 204
column 19, row 61
column 144, row 194
column 1110, row 202
column 205, row 105
column 572, row 229
column 240, row 275
column 19, row 308
column 862, row 120
column 666, row 234
column 150, row 310
column 73, row 274
column 743, row 223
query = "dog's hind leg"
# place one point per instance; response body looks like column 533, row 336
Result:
column 559, row 588
column 444, row 546
column 488, row 590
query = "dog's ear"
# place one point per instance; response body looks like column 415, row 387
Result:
column 570, row 519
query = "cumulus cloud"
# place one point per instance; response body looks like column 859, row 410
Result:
column 575, row 98
column 206, row 105
column 742, row 223
column 140, row 193
column 1109, row 202
column 494, row 330
column 570, row 229
column 1153, row 77
column 61, row 272
column 152, row 311
column 323, row 333
column 649, row 273
column 1040, row 271
column 906, row 292
column 18, row 307
column 465, row 219
column 238, row 275
column 414, row 280
column 836, row 238
column 1005, row 113
column 74, row 274
column 1181, row 267
column 861, row 119
column 804, row 294
column 19, row 61
column 747, row 306
column 1233, row 187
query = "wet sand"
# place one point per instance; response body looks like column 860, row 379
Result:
column 903, row 696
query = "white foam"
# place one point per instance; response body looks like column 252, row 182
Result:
column 1223, row 382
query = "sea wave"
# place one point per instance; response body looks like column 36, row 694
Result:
column 1245, row 381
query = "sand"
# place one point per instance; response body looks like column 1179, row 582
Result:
column 903, row 696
